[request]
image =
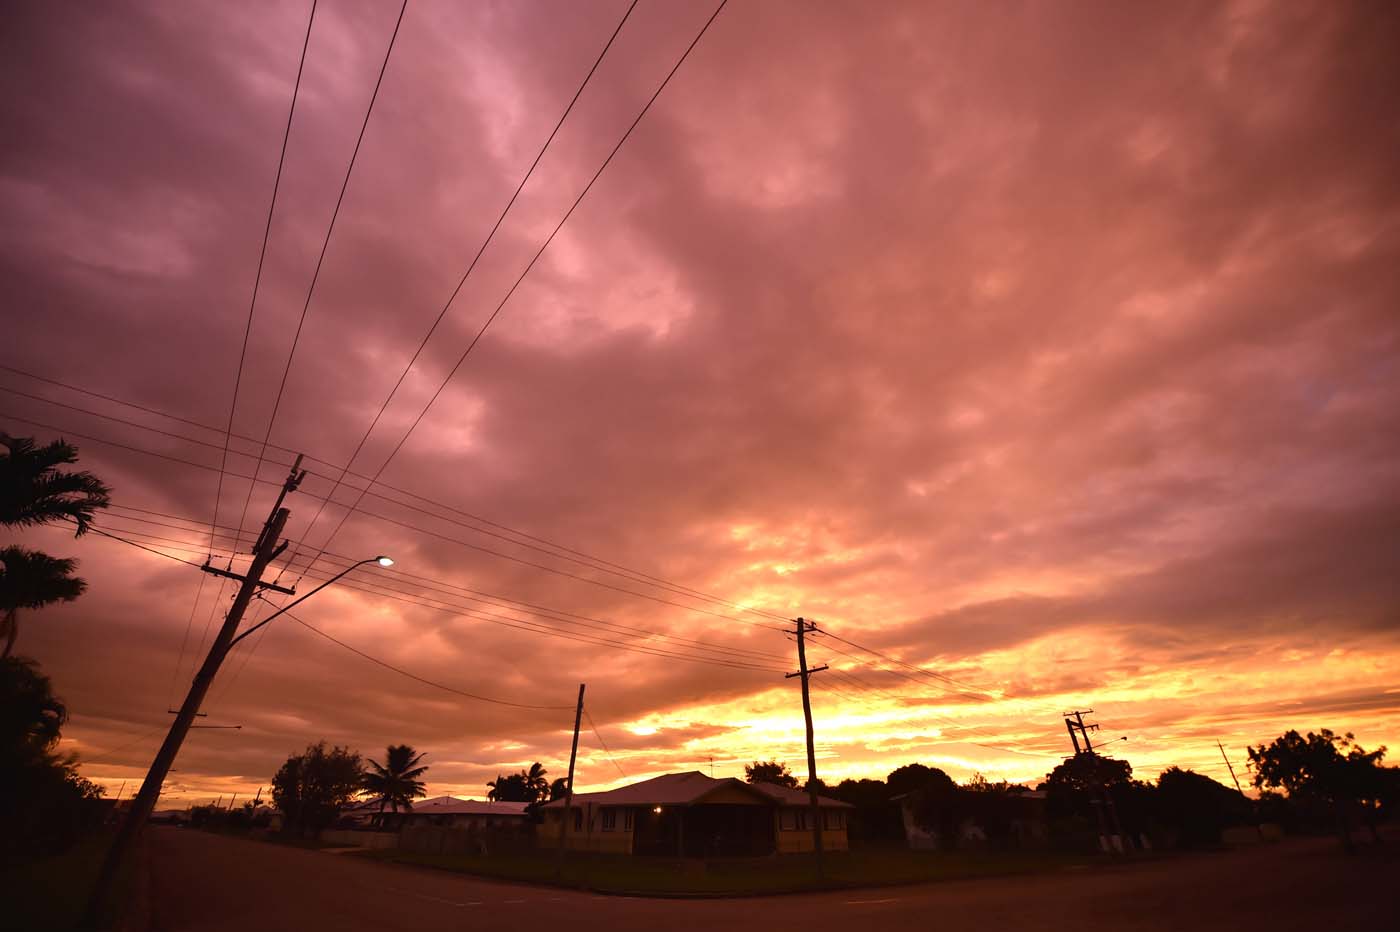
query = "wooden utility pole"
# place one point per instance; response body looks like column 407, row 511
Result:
column 264, row 551
column 1258, row 825
column 1231, row 768
column 567, row 816
column 1078, row 728
column 802, row 627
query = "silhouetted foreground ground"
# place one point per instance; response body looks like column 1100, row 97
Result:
column 202, row 883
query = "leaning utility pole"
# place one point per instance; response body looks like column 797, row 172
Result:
column 1078, row 728
column 1258, row 826
column 567, row 816
column 802, row 628
column 1231, row 768
column 264, row 552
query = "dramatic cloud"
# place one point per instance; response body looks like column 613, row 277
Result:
column 1048, row 348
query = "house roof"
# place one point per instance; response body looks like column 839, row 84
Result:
column 453, row 805
column 690, row 788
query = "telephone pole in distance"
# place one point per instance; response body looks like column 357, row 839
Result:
column 802, row 627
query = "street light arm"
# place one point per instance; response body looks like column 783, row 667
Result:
column 284, row 608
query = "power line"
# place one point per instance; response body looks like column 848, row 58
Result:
column 98, row 530
column 122, row 747
column 612, row 628
column 467, row 274
column 976, row 693
column 501, row 620
column 413, row 676
column 458, row 591
column 243, row 353
column 536, row 628
column 531, row 264
column 126, row 446
column 594, row 728
column 325, row 245
column 558, row 572
column 497, row 553
column 745, row 655
column 568, row 553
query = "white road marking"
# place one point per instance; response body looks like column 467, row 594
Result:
column 435, row 899
column 864, row 902
column 512, row 901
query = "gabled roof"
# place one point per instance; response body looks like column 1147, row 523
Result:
column 688, row 789
column 453, row 805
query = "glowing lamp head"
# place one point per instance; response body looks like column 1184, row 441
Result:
column 657, row 810
column 384, row 561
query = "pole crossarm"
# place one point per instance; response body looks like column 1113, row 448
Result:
column 819, row 669
column 214, row 570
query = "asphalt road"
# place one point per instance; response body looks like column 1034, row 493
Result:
column 203, row 883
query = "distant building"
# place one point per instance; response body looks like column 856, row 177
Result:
column 442, row 811
column 692, row 815
column 455, row 812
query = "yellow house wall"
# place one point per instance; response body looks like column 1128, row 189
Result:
column 833, row 839
column 590, row 837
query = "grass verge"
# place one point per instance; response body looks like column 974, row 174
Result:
column 736, row 876
column 51, row 892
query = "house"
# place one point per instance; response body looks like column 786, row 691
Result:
column 442, row 811
column 692, row 815
column 455, row 812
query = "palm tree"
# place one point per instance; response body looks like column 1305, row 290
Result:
column 395, row 782
column 31, row 579
column 536, row 781
column 33, row 490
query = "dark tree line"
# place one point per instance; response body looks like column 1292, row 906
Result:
column 44, row 804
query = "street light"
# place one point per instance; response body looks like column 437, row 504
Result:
column 381, row 560
column 143, row 803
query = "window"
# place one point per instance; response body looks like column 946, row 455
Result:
column 609, row 820
column 627, row 820
column 793, row 820
column 833, row 820
column 578, row 820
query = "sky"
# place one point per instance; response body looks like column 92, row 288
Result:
column 1042, row 354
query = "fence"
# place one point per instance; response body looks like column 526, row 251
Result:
column 436, row 839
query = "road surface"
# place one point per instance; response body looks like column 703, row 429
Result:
column 208, row 883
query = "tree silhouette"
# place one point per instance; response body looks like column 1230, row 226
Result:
column 774, row 772
column 1324, row 767
column 31, row 716
column 34, row 491
column 527, row 786
column 395, row 782
column 45, row 805
column 537, row 782
column 31, row 579
column 312, row 787
column 509, row 789
column 918, row 777
column 1196, row 807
